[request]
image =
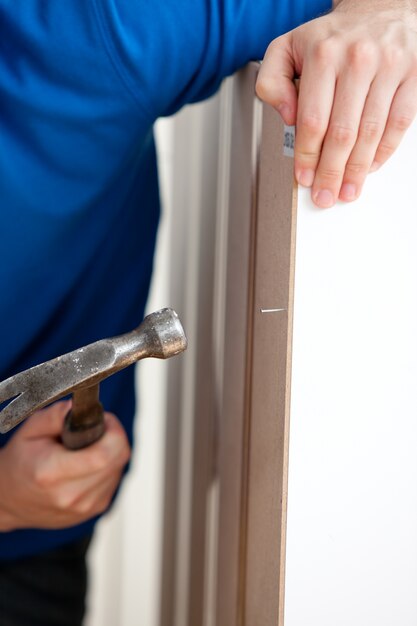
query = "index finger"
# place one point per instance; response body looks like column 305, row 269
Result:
column 275, row 82
column 315, row 102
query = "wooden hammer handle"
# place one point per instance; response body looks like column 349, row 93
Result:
column 84, row 423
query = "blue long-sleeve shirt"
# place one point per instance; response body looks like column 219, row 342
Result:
column 81, row 84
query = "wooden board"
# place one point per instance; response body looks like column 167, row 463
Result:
column 270, row 378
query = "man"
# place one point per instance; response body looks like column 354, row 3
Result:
column 81, row 85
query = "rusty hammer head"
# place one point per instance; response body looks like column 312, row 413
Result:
column 160, row 335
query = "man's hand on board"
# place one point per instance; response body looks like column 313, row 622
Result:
column 357, row 92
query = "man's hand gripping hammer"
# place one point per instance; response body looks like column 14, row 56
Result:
column 80, row 372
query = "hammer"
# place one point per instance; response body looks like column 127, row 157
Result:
column 80, row 372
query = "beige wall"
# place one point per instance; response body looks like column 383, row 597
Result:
column 125, row 559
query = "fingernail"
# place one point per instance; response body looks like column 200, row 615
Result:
column 375, row 166
column 305, row 177
column 348, row 192
column 324, row 198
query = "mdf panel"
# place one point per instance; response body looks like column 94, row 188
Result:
column 270, row 377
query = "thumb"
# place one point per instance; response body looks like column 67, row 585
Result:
column 46, row 422
column 275, row 83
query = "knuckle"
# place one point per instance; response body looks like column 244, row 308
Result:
column 325, row 50
column 101, row 458
column 84, row 508
column 312, row 124
column 384, row 151
column 115, row 453
column 393, row 57
column 361, row 54
column 343, row 136
column 64, row 500
column 120, row 444
column 277, row 47
column 401, row 123
column 96, row 506
column 306, row 159
column 273, row 47
column 43, row 477
column 369, row 131
column 122, row 456
column 267, row 89
column 330, row 175
column 125, row 455
column 356, row 168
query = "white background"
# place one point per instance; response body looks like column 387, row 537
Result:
column 352, row 519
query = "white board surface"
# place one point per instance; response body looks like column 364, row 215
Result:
column 352, row 516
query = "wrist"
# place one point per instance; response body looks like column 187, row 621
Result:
column 406, row 7
column 401, row 10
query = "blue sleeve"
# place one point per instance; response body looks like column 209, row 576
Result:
column 173, row 52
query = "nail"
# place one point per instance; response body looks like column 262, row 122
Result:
column 305, row 177
column 348, row 192
column 324, row 198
